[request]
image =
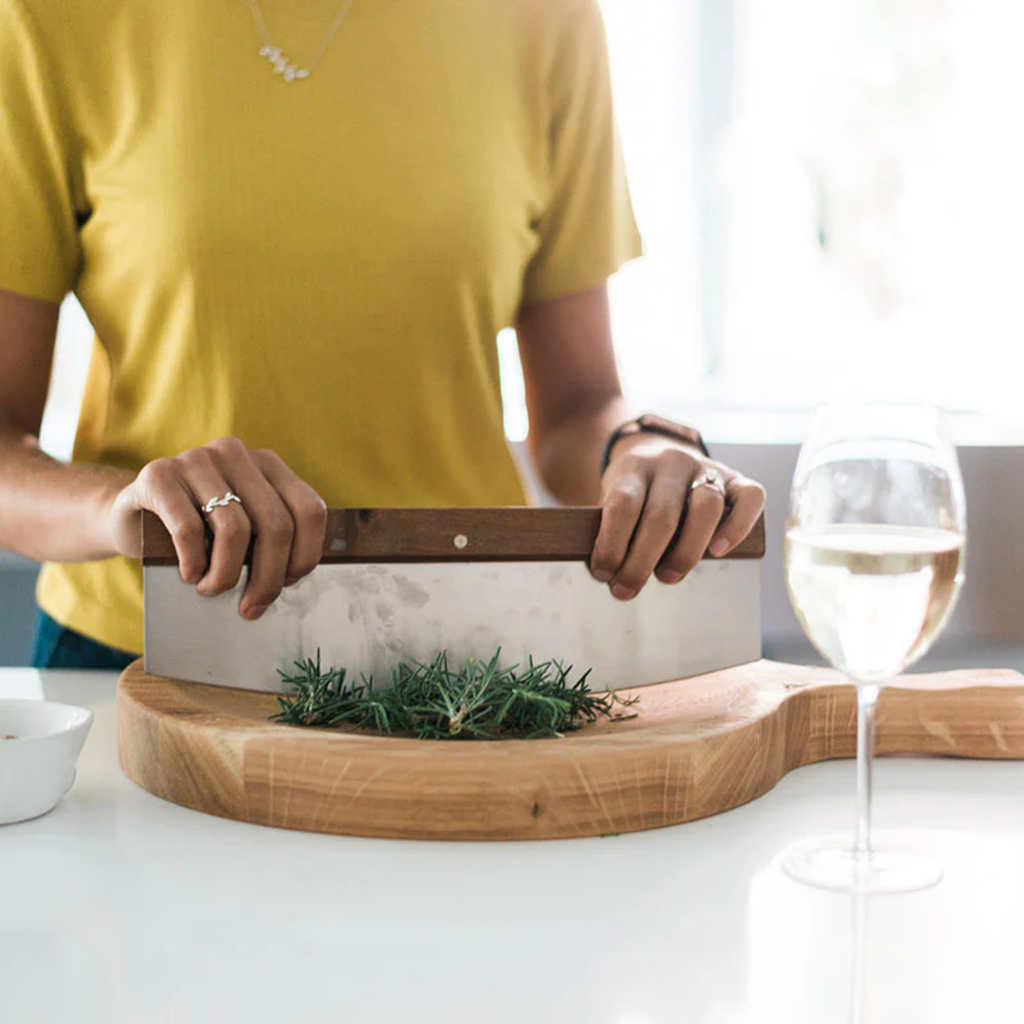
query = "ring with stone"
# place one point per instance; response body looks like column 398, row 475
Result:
column 221, row 502
column 709, row 478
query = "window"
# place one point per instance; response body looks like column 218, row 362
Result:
column 830, row 198
column 870, row 175
column 67, row 381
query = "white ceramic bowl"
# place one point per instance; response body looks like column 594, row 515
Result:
column 37, row 767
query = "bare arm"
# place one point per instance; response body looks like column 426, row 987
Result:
column 573, row 395
column 651, row 519
column 49, row 511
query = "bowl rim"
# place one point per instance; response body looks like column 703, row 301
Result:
column 83, row 718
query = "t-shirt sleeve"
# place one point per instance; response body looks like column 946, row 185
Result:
column 587, row 229
column 39, row 245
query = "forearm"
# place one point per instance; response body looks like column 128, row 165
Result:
column 52, row 511
column 567, row 454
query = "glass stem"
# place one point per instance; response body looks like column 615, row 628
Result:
column 867, row 700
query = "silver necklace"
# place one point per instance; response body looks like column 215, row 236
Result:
column 279, row 60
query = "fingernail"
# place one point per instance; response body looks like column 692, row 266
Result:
column 670, row 577
column 622, row 592
column 601, row 575
column 719, row 547
column 254, row 613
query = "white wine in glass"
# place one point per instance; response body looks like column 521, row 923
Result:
column 874, row 557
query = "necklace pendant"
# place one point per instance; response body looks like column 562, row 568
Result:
column 282, row 64
column 280, row 61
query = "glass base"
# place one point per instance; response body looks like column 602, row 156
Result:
column 833, row 864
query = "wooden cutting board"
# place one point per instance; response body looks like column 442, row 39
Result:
column 697, row 747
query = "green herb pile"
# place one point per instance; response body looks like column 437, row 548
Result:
column 434, row 702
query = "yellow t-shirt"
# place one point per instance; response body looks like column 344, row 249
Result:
column 319, row 267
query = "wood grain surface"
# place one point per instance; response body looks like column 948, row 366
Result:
column 448, row 534
column 698, row 747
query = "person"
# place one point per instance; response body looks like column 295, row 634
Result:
column 296, row 270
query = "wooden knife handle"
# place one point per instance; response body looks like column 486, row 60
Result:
column 447, row 535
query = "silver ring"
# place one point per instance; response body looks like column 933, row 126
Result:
column 709, row 478
column 221, row 502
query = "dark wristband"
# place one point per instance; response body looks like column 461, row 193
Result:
column 648, row 423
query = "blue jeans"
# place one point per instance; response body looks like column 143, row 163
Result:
column 59, row 647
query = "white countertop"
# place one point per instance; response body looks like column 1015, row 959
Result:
column 117, row 907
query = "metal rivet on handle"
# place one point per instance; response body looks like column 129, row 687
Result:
column 460, row 540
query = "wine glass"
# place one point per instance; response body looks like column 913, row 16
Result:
column 874, row 559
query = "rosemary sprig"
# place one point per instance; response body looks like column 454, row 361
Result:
column 436, row 702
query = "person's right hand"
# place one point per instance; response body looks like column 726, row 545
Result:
column 285, row 515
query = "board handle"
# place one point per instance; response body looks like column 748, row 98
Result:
column 961, row 713
column 448, row 535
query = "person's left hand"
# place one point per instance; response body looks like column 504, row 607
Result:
column 646, row 493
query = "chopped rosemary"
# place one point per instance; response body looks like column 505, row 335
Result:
column 434, row 702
